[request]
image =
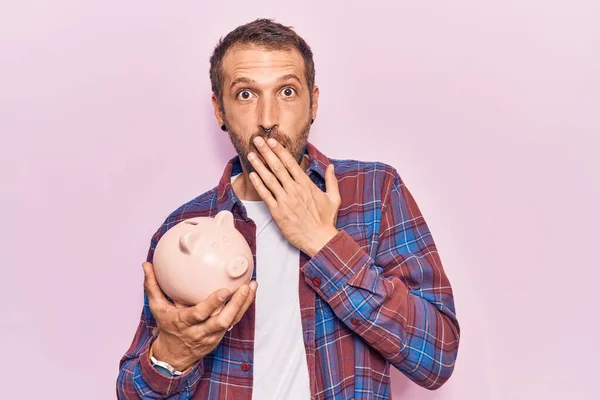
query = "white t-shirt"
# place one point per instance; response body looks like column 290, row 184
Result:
column 280, row 367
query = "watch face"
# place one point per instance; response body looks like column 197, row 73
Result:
column 163, row 370
column 163, row 367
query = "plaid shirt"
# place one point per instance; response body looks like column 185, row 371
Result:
column 376, row 295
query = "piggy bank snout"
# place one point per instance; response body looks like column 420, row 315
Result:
column 237, row 267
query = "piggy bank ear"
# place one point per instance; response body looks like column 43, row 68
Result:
column 224, row 218
column 188, row 241
column 237, row 267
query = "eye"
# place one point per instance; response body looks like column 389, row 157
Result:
column 244, row 94
column 288, row 91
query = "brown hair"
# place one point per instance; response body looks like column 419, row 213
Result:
column 263, row 33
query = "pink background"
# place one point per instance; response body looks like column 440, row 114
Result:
column 489, row 111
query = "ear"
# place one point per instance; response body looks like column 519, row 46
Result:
column 188, row 241
column 315, row 102
column 237, row 267
column 217, row 109
column 224, row 218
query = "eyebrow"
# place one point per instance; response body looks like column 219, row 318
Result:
column 242, row 79
column 289, row 77
column 248, row 81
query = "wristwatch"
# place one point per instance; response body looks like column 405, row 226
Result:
column 164, row 367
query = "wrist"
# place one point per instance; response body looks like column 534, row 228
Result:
column 320, row 239
column 161, row 351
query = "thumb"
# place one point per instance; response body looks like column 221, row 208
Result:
column 153, row 291
column 331, row 183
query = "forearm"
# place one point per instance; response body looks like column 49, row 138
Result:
column 409, row 331
column 415, row 336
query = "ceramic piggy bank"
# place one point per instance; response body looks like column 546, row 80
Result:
column 201, row 255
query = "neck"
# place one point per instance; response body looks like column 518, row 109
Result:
column 244, row 189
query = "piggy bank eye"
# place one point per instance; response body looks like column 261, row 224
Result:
column 215, row 245
column 225, row 239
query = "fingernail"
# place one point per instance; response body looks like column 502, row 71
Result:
column 258, row 141
column 271, row 142
column 251, row 156
column 245, row 290
column 253, row 285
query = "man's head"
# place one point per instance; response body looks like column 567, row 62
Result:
column 262, row 77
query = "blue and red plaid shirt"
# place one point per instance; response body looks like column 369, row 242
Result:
column 376, row 295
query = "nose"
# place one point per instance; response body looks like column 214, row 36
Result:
column 267, row 130
column 268, row 115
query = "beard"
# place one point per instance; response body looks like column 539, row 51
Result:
column 295, row 147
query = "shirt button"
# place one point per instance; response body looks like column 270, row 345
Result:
column 354, row 321
column 317, row 281
column 249, row 242
column 245, row 366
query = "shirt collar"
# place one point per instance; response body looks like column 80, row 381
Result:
column 226, row 197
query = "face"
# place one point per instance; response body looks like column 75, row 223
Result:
column 265, row 89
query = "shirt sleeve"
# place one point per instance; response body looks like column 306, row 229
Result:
column 400, row 302
column 138, row 378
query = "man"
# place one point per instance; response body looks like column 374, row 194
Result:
column 347, row 282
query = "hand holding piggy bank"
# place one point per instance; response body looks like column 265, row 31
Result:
column 200, row 255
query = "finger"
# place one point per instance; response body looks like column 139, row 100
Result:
column 155, row 294
column 203, row 310
column 249, row 300
column 264, row 192
column 225, row 318
column 275, row 164
column 331, row 182
column 266, row 176
column 288, row 161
